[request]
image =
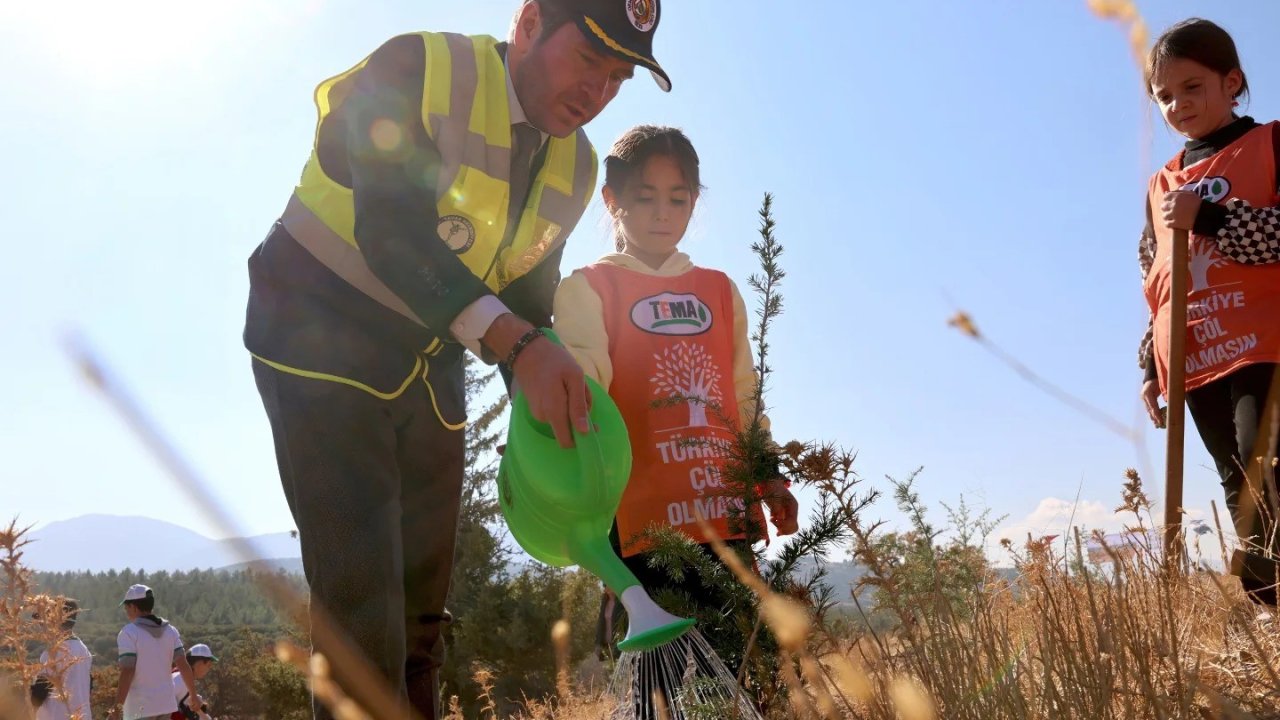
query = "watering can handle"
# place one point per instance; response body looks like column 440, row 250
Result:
column 593, row 465
column 590, row 451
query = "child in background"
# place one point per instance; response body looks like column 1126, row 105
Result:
column 1222, row 188
column 149, row 646
column 650, row 327
column 201, row 659
column 73, row 661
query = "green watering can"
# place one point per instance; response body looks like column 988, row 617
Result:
column 560, row 505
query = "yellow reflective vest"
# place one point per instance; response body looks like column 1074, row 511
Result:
column 466, row 113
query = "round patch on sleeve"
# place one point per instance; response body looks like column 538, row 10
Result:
column 457, row 232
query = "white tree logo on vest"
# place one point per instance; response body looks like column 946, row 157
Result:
column 686, row 372
column 1203, row 256
column 1215, row 342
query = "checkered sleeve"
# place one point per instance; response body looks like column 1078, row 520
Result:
column 1146, row 258
column 1250, row 236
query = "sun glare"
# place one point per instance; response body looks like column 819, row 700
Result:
column 87, row 37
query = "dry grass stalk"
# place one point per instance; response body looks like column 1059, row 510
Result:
column 560, row 636
column 315, row 667
column 28, row 620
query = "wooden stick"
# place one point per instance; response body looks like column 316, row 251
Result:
column 1173, row 550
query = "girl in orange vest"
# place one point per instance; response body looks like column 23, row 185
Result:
column 1222, row 189
column 668, row 340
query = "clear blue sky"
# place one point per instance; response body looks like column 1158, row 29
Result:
column 926, row 156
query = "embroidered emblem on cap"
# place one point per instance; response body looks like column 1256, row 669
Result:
column 457, row 232
column 643, row 13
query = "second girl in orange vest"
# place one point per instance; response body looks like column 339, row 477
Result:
column 650, row 326
column 1222, row 188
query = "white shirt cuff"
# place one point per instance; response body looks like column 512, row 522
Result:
column 474, row 321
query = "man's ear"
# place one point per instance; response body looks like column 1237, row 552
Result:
column 527, row 26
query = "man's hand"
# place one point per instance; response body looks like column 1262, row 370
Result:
column 556, row 388
column 1151, row 400
column 549, row 377
column 1179, row 209
column 784, row 510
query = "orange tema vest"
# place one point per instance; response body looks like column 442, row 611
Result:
column 671, row 337
column 1233, row 310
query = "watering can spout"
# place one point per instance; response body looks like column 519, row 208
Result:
column 648, row 625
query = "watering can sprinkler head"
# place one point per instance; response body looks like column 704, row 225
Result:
column 560, row 505
column 649, row 626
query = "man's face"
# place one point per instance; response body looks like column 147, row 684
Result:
column 563, row 81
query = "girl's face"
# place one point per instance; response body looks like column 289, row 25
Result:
column 1193, row 99
column 653, row 211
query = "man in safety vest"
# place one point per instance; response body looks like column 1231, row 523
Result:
column 446, row 173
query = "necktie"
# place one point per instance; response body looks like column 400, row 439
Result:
column 525, row 141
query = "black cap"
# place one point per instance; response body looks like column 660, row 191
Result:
column 624, row 28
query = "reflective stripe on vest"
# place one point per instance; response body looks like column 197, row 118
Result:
column 466, row 113
column 340, row 257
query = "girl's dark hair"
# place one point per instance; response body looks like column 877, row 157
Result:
column 630, row 152
column 1200, row 41
column 146, row 605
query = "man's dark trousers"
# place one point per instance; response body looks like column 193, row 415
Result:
column 374, row 486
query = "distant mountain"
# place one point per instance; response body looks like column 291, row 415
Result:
column 105, row 542
column 841, row 577
column 98, row 543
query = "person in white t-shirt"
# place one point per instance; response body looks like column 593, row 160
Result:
column 149, row 647
column 201, row 659
column 71, row 660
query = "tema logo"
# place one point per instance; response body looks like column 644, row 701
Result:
column 672, row 314
column 1212, row 189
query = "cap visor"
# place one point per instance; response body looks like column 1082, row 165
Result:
column 597, row 35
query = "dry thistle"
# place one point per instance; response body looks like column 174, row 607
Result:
column 1133, row 496
column 483, row 677
column 27, row 619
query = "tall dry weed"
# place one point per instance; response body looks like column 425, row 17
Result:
column 29, row 621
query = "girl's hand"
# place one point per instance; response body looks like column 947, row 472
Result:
column 1151, row 399
column 784, row 510
column 1179, row 209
